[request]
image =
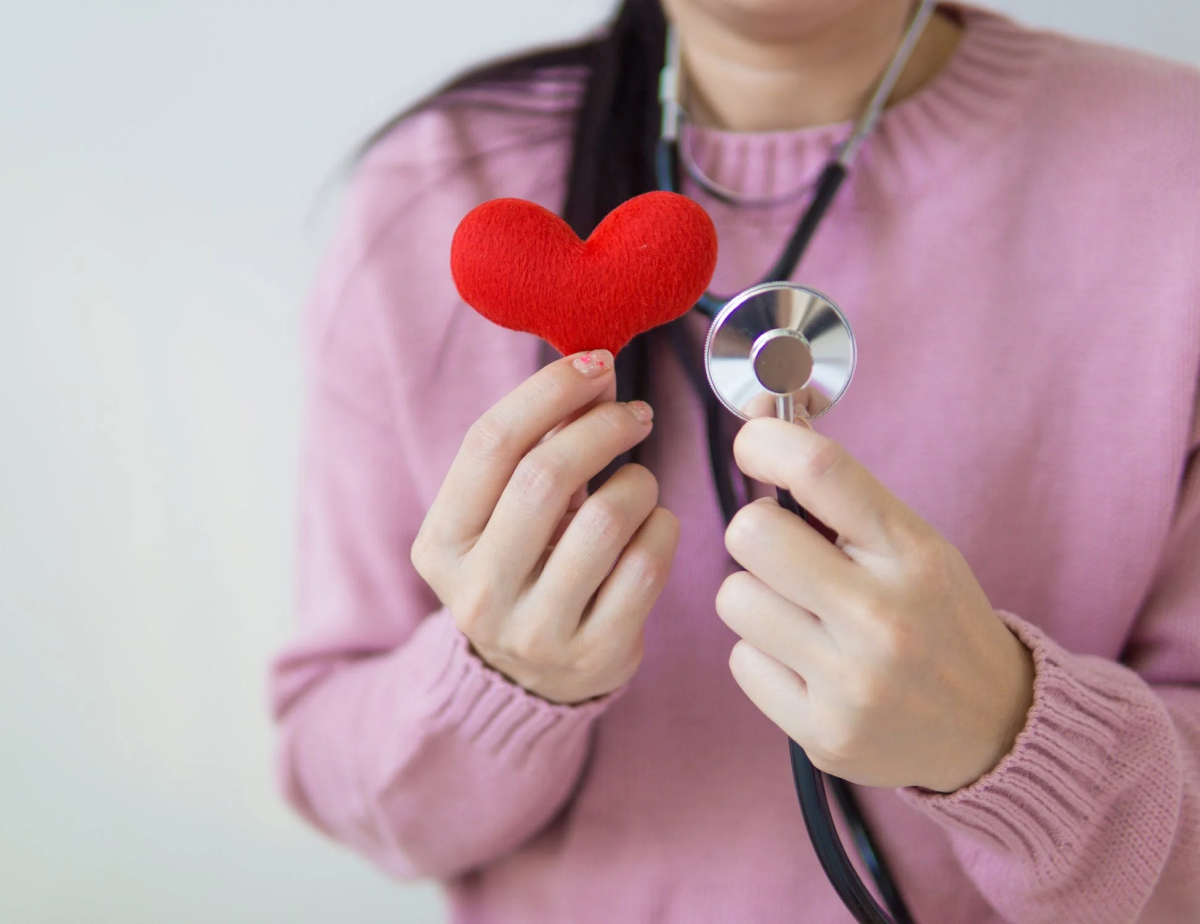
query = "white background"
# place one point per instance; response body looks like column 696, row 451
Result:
column 161, row 168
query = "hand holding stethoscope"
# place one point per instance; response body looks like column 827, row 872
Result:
column 879, row 655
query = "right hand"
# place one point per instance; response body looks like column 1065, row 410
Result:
column 552, row 587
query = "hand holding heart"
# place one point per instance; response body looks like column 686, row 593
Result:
column 551, row 586
column 880, row 656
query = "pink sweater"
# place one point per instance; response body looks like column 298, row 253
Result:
column 1019, row 253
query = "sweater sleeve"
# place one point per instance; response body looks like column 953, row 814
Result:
column 393, row 737
column 1095, row 814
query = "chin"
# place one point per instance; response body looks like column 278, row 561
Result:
column 779, row 21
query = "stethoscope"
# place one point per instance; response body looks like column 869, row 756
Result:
column 769, row 348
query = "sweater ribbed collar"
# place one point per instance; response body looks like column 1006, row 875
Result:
column 994, row 68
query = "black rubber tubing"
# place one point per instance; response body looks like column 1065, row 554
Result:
column 818, row 818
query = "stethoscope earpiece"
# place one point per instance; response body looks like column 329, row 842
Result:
column 777, row 347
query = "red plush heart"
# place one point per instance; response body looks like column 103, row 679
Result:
column 523, row 267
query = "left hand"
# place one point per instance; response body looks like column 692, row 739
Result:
column 880, row 656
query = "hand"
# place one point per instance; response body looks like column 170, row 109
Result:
column 880, row 656
column 552, row 587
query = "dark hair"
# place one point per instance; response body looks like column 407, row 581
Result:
column 612, row 159
column 616, row 129
column 617, row 122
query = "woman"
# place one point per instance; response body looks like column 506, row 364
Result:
column 542, row 707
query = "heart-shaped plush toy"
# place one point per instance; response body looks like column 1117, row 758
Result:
column 522, row 267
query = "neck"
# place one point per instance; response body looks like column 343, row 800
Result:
column 760, row 78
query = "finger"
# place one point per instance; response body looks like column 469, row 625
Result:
column 630, row 591
column 779, row 692
column 775, row 626
column 793, row 559
column 594, row 540
column 825, row 479
column 609, row 394
column 498, row 440
column 573, row 505
column 542, row 485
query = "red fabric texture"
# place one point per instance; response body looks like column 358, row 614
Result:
column 522, row 267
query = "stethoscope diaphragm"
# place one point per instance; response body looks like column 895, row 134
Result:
column 777, row 346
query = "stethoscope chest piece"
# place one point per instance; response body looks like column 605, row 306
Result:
column 776, row 347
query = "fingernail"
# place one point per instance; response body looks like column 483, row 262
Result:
column 641, row 410
column 594, row 363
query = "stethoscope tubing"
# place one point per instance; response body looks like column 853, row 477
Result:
column 811, row 783
column 818, row 819
column 826, row 190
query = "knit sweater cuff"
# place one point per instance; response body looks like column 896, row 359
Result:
column 1089, row 728
column 466, row 695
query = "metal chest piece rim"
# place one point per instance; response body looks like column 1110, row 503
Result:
column 779, row 345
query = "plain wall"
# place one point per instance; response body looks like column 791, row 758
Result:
column 160, row 215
